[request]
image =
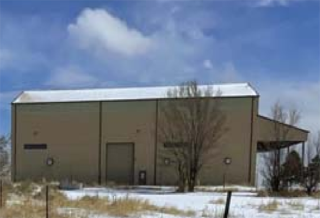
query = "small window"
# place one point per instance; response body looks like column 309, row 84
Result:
column 35, row 146
column 175, row 144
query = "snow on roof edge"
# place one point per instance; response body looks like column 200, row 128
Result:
column 128, row 93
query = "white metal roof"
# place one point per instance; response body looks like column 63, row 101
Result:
column 110, row 94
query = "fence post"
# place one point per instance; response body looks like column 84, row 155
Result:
column 226, row 210
column 47, row 201
column 1, row 193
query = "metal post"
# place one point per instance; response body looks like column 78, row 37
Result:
column 303, row 154
column 226, row 210
column 1, row 193
column 225, row 177
column 226, row 161
column 302, row 165
column 47, row 201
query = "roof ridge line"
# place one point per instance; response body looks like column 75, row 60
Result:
column 130, row 87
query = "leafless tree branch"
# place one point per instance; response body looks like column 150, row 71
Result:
column 193, row 120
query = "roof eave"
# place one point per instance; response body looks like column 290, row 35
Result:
column 291, row 126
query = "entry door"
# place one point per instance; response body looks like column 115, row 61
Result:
column 120, row 163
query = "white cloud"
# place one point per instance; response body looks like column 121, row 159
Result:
column 166, row 56
column 224, row 73
column 98, row 30
column 264, row 3
column 71, row 77
column 229, row 73
column 304, row 96
column 207, row 64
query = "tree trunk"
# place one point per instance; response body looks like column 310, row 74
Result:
column 192, row 181
column 276, row 172
column 309, row 191
column 275, row 184
column 181, row 187
column 191, row 186
column 182, row 184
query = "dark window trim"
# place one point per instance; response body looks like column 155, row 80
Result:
column 175, row 144
column 35, row 146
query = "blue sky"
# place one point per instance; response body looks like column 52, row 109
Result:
column 273, row 44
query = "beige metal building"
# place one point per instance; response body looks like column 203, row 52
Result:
column 111, row 135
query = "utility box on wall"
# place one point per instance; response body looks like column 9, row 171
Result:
column 142, row 177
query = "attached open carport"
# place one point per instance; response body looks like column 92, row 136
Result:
column 274, row 135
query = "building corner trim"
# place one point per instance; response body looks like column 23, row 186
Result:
column 251, row 141
column 15, row 145
column 100, row 140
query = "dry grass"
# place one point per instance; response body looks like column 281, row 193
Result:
column 121, row 207
column 218, row 213
column 271, row 206
column 262, row 193
column 209, row 189
column 31, row 204
column 26, row 200
column 295, row 204
column 218, row 201
column 316, row 194
column 229, row 187
column 28, row 208
column 206, row 213
column 23, row 188
column 286, row 194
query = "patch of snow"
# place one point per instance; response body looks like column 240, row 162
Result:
column 243, row 203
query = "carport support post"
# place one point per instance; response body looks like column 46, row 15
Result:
column 303, row 154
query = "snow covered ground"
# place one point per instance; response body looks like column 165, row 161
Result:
column 244, row 202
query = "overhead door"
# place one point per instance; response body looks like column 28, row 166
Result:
column 120, row 163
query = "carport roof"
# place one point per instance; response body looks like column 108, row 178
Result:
column 270, row 134
column 112, row 94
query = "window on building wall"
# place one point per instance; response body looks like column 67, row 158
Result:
column 35, row 146
column 175, row 144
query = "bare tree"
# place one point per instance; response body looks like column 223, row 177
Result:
column 311, row 173
column 283, row 119
column 190, row 128
column 4, row 156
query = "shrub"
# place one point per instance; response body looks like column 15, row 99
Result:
column 271, row 206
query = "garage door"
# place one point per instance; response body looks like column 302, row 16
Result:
column 120, row 163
